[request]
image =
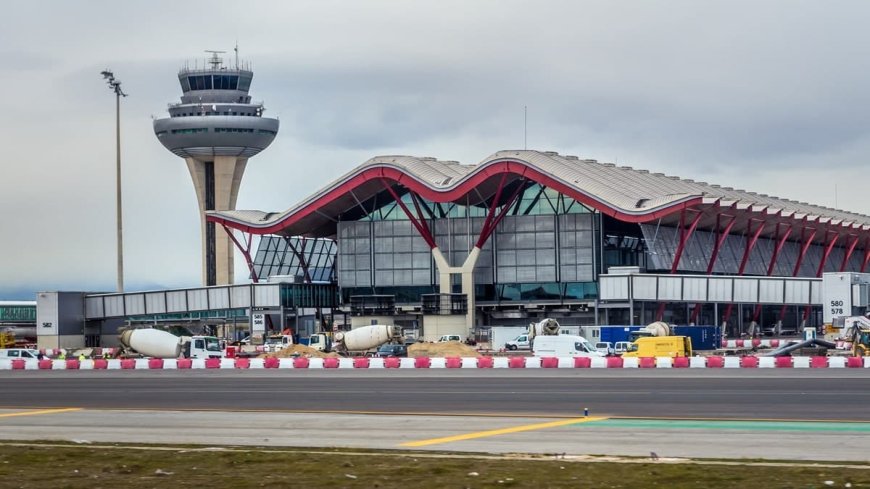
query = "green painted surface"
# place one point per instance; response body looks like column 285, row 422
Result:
column 677, row 424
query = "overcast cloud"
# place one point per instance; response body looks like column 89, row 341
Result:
column 769, row 96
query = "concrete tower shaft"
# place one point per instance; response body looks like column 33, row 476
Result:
column 216, row 128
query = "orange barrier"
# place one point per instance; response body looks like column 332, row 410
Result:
column 818, row 362
column 784, row 362
column 361, row 362
column 646, row 362
column 101, row 364
column 128, row 364
column 748, row 362
column 184, row 363
column 392, row 362
column 614, row 362
column 330, row 363
column 484, row 362
column 72, row 364
column 680, row 362
column 453, row 362
column 271, row 362
column 243, row 362
column 582, row 362
column 715, row 362
column 301, row 362
column 517, row 362
column 549, row 362
column 155, row 363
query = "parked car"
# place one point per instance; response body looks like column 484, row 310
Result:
column 392, row 351
column 449, row 337
column 521, row 342
column 621, row 347
column 28, row 355
column 605, row 347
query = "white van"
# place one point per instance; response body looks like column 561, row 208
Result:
column 564, row 346
column 19, row 354
column 521, row 342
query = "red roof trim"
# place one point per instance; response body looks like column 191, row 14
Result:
column 494, row 168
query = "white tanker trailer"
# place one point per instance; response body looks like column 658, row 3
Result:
column 161, row 344
column 366, row 338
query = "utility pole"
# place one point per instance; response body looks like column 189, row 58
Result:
column 115, row 86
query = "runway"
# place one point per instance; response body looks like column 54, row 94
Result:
column 770, row 394
column 794, row 415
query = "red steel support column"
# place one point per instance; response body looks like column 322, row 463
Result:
column 493, row 218
column 685, row 234
column 848, row 254
column 300, row 255
column 866, row 255
column 797, row 266
column 770, row 266
column 420, row 225
column 246, row 251
column 827, row 254
column 750, row 244
column 711, row 263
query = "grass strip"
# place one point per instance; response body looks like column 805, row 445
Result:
column 39, row 465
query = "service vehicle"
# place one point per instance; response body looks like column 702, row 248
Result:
column 605, row 347
column 157, row 343
column 621, row 347
column 660, row 346
column 367, row 338
column 564, row 346
column 449, row 337
column 18, row 353
column 392, row 350
column 521, row 342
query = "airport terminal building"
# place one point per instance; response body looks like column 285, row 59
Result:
column 523, row 235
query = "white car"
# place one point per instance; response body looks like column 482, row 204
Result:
column 621, row 347
column 29, row 356
column 605, row 347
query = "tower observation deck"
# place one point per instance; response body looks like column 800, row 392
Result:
column 216, row 128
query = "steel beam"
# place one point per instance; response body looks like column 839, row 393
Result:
column 420, row 225
column 849, row 251
column 495, row 216
column 246, row 251
column 685, row 234
column 747, row 251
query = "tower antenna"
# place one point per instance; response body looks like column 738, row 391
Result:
column 236, row 49
column 215, row 61
column 525, row 126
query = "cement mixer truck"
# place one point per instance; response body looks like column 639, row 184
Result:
column 658, row 328
column 366, row 338
column 545, row 327
column 162, row 344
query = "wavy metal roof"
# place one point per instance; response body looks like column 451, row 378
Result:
column 622, row 192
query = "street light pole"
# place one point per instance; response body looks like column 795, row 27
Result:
column 115, row 86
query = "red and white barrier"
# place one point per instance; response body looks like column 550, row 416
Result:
column 743, row 362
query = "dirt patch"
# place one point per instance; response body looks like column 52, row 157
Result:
column 442, row 349
column 299, row 351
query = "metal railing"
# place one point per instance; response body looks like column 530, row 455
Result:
column 445, row 304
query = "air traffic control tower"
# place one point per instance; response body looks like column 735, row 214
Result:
column 216, row 128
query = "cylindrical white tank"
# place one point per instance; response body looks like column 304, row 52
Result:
column 368, row 337
column 152, row 342
column 546, row 327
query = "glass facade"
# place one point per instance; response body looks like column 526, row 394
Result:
column 278, row 255
column 17, row 313
column 543, row 250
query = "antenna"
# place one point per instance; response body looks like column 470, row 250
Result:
column 525, row 127
column 236, row 49
column 215, row 61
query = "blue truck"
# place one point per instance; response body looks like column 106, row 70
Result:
column 703, row 337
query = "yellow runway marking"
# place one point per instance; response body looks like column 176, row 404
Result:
column 502, row 431
column 38, row 412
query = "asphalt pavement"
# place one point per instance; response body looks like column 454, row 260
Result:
column 784, row 394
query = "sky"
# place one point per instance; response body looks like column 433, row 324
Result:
column 768, row 96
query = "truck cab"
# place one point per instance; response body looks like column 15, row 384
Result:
column 203, row 347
